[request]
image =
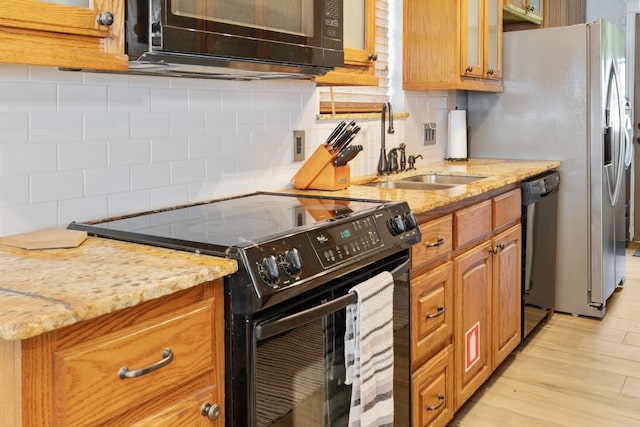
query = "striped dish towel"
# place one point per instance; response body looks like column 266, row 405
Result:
column 369, row 352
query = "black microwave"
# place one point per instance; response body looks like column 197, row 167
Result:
column 234, row 39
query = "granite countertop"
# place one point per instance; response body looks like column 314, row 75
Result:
column 495, row 173
column 43, row 290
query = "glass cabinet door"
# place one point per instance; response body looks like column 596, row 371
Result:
column 493, row 56
column 472, row 40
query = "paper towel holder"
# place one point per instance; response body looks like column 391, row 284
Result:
column 458, row 136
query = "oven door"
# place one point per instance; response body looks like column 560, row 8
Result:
column 298, row 351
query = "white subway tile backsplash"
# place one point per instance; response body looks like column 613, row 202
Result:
column 172, row 100
column 82, row 155
column 104, row 125
column 54, row 186
column 152, row 175
column 27, row 97
column 105, row 181
column 128, row 99
column 84, row 209
column 55, row 127
column 149, row 124
column 166, row 149
column 14, row 127
column 81, row 146
column 187, row 171
column 25, row 218
column 169, row 196
column 14, row 190
column 129, row 151
column 129, row 202
column 82, row 98
column 188, row 124
column 27, row 158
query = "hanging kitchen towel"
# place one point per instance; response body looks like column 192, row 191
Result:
column 369, row 352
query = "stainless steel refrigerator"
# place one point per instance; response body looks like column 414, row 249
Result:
column 564, row 99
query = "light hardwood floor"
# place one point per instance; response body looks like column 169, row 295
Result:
column 574, row 371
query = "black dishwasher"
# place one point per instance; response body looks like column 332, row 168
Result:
column 539, row 225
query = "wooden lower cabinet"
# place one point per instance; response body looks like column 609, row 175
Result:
column 465, row 302
column 155, row 364
column 506, row 315
column 432, row 391
column 472, row 333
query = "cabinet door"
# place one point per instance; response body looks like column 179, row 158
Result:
column 472, row 330
column 472, row 17
column 65, row 35
column 359, row 47
column 493, row 42
column 506, row 316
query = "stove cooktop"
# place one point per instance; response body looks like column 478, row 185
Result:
column 240, row 221
column 284, row 243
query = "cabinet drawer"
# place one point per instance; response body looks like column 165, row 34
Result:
column 472, row 223
column 431, row 311
column 436, row 241
column 506, row 208
column 432, row 391
column 87, row 383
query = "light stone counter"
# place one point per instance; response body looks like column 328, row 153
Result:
column 495, row 173
column 43, row 290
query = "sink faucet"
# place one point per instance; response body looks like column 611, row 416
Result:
column 383, row 166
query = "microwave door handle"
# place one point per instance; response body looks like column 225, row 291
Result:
column 270, row 329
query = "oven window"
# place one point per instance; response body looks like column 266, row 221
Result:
column 283, row 16
column 300, row 373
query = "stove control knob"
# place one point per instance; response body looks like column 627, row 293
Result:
column 269, row 269
column 410, row 220
column 396, row 225
column 292, row 262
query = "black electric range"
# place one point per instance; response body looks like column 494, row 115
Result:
column 283, row 242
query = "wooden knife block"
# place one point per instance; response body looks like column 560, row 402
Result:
column 318, row 173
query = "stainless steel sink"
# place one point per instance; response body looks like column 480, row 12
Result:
column 435, row 178
column 432, row 181
column 410, row 185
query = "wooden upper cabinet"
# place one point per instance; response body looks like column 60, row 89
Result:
column 359, row 47
column 63, row 33
column 452, row 45
column 524, row 11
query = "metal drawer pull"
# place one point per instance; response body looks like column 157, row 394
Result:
column 441, row 398
column 438, row 313
column 440, row 242
column 167, row 357
column 105, row 18
column 210, row 411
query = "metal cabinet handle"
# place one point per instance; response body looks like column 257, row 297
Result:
column 441, row 402
column 373, row 56
column 439, row 242
column 489, row 72
column 468, row 69
column 498, row 248
column 212, row 412
column 167, row 357
column 105, row 18
column 439, row 312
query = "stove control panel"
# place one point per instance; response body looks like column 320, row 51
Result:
column 296, row 258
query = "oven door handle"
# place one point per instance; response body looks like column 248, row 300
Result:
column 270, row 329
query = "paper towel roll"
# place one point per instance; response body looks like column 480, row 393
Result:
column 457, row 148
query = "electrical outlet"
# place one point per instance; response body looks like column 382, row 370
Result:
column 429, row 133
column 298, row 145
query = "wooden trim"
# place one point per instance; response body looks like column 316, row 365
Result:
column 10, row 381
